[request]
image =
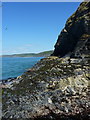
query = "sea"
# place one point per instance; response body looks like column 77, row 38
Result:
column 15, row 66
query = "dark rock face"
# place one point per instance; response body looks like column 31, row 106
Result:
column 77, row 26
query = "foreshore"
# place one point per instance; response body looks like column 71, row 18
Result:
column 50, row 89
column 7, row 83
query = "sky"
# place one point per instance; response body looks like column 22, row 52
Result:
column 33, row 27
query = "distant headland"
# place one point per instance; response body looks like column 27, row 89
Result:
column 41, row 54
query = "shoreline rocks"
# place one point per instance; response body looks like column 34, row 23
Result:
column 55, row 88
column 7, row 83
column 50, row 90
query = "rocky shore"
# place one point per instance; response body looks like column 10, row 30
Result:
column 6, row 83
column 57, row 87
column 50, row 90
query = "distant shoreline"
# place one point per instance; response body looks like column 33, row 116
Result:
column 41, row 54
column 20, row 56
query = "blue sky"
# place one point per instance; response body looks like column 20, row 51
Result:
column 32, row 27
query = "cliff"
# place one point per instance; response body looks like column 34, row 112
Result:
column 55, row 88
column 73, row 39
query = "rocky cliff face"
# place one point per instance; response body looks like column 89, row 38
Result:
column 73, row 38
column 55, row 88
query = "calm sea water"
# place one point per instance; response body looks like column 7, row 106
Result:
column 15, row 66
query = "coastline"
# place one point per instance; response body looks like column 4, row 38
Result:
column 41, row 54
column 7, row 83
column 56, row 89
column 16, row 66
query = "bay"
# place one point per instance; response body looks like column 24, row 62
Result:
column 16, row 66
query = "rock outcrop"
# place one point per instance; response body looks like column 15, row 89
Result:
column 73, row 38
column 55, row 88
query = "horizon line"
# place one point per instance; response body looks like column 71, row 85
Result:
column 26, row 53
